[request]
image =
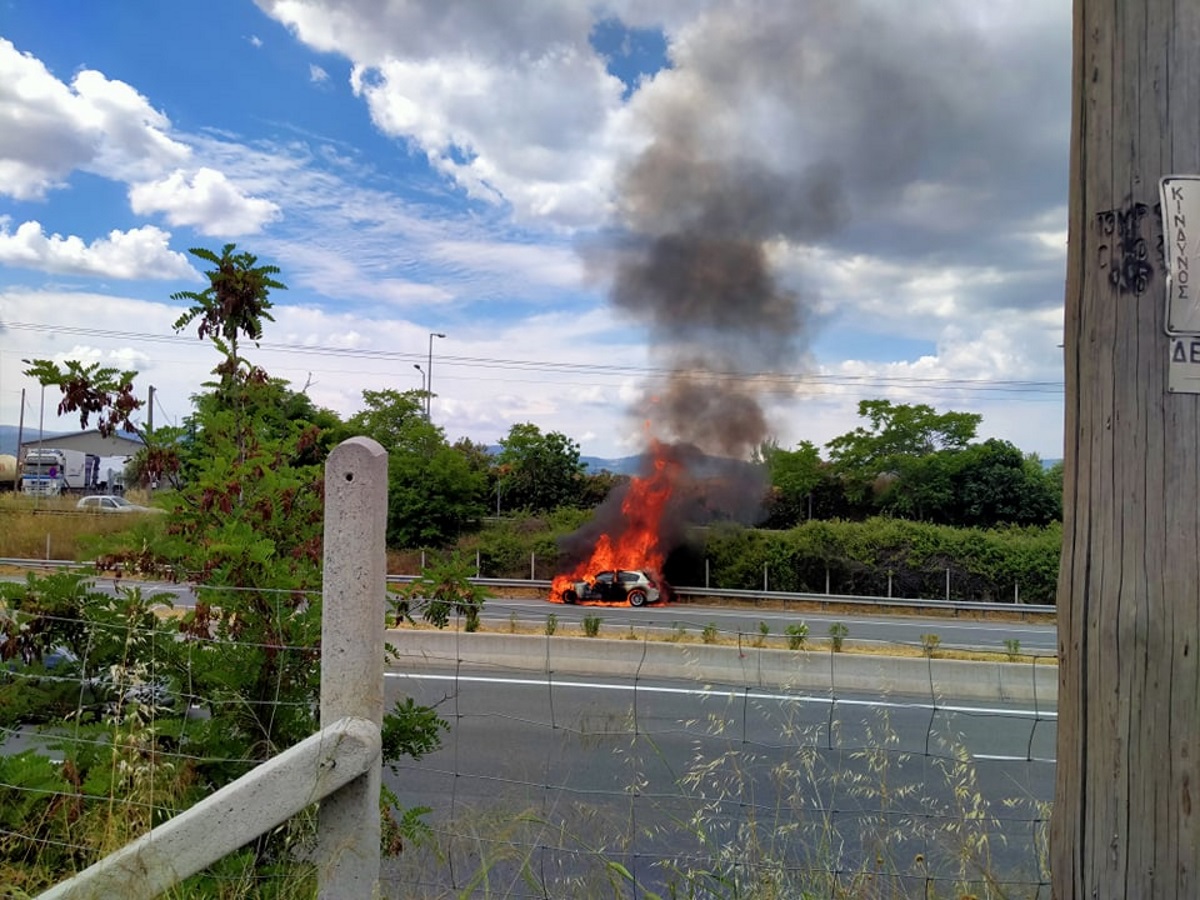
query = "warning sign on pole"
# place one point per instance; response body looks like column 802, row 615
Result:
column 1183, row 371
column 1180, row 196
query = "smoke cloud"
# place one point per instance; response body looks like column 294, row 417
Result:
column 777, row 122
column 771, row 112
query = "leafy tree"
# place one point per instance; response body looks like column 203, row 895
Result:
column 91, row 390
column 794, row 476
column 984, row 484
column 478, row 457
column 926, row 488
column 247, row 525
column 396, row 419
column 1000, row 484
column 540, row 472
column 897, row 433
column 597, row 486
column 435, row 492
column 433, row 499
column 235, row 302
column 481, row 461
column 443, row 589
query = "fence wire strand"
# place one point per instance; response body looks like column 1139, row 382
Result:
column 551, row 785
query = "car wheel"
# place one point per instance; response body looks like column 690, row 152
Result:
column 637, row 597
column 569, row 596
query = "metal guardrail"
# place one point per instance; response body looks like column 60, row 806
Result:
column 955, row 606
column 786, row 596
column 18, row 563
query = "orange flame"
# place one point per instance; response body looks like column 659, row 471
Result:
column 635, row 545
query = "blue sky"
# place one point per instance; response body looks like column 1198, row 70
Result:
column 869, row 202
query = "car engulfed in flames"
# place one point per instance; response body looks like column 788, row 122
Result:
column 623, row 566
column 621, row 587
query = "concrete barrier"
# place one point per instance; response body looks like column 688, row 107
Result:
column 809, row 670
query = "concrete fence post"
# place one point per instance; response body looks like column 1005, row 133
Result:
column 354, row 584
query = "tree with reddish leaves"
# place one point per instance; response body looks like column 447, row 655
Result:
column 91, row 390
column 236, row 300
column 246, row 527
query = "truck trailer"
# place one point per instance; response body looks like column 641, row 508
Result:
column 50, row 472
column 110, row 474
column 8, row 472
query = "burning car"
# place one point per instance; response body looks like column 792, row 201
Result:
column 636, row 588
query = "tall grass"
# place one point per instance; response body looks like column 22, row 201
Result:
column 51, row 528
column 854, row 824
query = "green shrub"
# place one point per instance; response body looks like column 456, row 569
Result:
column 763, row 630
column 709, row 634
column 797, row 634
column 837, row 635
column 591, row 625
column 984, row 563
column 551, row 624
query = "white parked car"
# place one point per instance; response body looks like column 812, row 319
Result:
column 108, row 503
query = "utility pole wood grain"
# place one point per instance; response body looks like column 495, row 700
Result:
column 1128, row 772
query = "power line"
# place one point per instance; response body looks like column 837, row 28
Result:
column 771, row 380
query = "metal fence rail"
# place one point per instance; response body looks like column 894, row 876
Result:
column 691, row 593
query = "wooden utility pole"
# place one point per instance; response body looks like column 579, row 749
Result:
column 1128, row 781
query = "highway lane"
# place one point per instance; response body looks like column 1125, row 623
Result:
column 545, row 781
column 733, row 619
column 543, row 773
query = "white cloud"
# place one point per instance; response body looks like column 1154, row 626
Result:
column 255, row 41
column 558, row 267
column 550, row 153
column 515, row 106
column 208, row 202
column 316, row 74
column 137, row 253
column 955, row 178
column 48, row 129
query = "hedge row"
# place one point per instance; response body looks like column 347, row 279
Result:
column 854, row 558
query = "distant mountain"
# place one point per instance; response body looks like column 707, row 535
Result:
column 8, row 437
column 623, row 465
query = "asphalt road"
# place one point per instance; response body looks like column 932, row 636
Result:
column 541, row 785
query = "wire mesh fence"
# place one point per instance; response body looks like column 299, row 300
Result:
column 553, row 785
column 549, row 783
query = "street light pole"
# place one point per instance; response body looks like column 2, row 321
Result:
column 429, row 377
column 417, row 366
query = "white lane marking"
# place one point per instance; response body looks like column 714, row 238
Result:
column 734, row 695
